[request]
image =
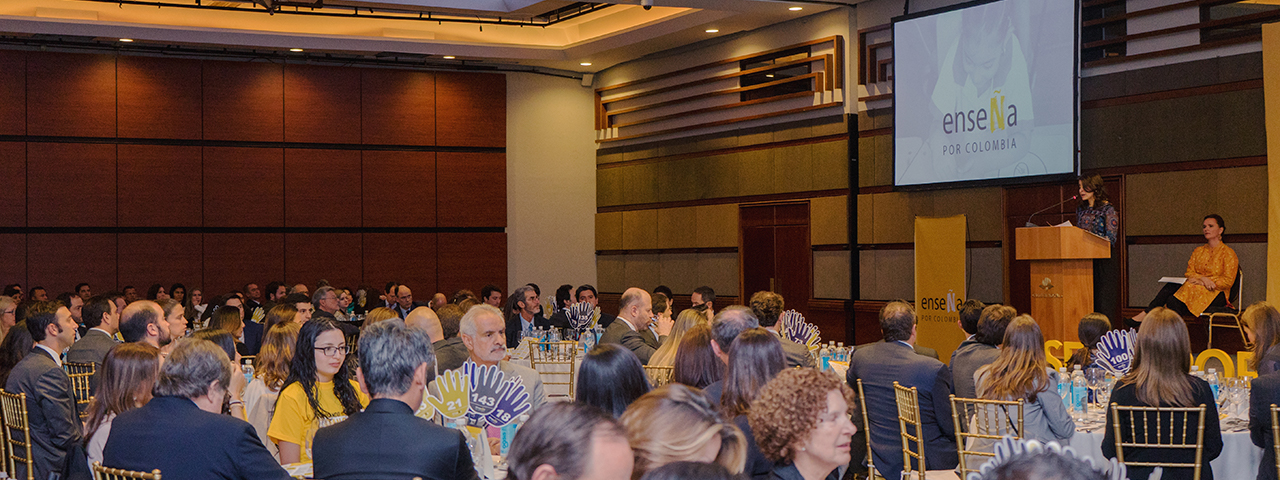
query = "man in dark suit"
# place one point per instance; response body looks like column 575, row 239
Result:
column 635, row 309
column 768, row 307
column 404, row 301
column 451, row 353
column 879, row 365
column 56, row 438
column 103, row 320
column 587, row 293
column 386, row 441
column 181, row 431
column 523, row 314
column 982, row 351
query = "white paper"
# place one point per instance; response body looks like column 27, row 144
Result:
column 1064, row 224
column 1178, row 280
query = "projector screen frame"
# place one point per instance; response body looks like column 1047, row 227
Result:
column 1048, row 178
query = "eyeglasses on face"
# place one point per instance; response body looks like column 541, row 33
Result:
column 332, row 351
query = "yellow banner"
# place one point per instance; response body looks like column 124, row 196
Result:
column 1271, row 93
column 940, row 275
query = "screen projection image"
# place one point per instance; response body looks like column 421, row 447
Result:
column 985, row 92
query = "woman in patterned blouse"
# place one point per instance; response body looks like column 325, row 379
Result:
column 1210, row 274
column 1096, row 215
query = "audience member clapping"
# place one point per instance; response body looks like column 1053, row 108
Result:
column 801, row 422
column 755, row 358
column 665, row 356
column 696, row 363
column 180, row 431
column 271, row 370
column 677, row 423
column 319, row 391
column 611, row 378
column 128, row 374
column 570, row 441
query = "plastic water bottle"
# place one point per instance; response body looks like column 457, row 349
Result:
column 1064, row 390
column 844, row 355
column 1195, row 372
column 1079, row 392
column 1212, row 378
column 248, row 370
column 509, row 433
column 825, row 355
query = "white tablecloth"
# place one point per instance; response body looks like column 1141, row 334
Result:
column 1239, row 459
column 550, row 372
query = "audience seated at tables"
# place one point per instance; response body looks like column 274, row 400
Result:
column 56, row 437
column 677, row 423
column 696, row 363
column 319, row 391
column 879, row 365
column 1261, row 323
column 482, row 331
column 767, row 308
column 1090, row 331
column 1162, row 358
column 665, row 356
column 271, row 368
column 195, row 305
column 801, row 421
column 450, row 352
column 523, row 313
column 128, row 374
column 180, row 431
column 227, row 319
column 301, row 303
column 1264, row 392
column 690, row 471
column 101, row 317
column 991, row 325
column 386, row 440
column 611, row 378
column 588, row 293
column 661, row 308
column 755, row 357
column 235, row 389
column 969, row 313
column 8, row 314
column 378, row 315
column 16, row 345
column 283, row 313
column 143, row 321
column 727, row 325
column 175, row 317
column 570, row 441
column 635, row 311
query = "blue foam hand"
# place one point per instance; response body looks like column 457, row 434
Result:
column 486, row 386
column 791, row 320
column 580, row 314
column 1115, row 351
column 512, row 404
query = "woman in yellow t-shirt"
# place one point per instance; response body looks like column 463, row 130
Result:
column 319, row 391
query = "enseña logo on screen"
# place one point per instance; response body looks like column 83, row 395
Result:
column 980, row 119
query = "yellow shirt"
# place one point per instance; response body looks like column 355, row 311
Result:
column 295, row 421
column 1219, row 264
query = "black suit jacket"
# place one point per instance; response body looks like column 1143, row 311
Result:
column 51, row 412
column 386, row 441
column 881, row 364
column 175, row 436
column 92, row 348
column 1265, row 392
column 618, row 332
column 1170, row 426
column 515, row 325
column 451, row 353
column 253, row 334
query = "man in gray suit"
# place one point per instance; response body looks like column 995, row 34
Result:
column 635, row 310
column 967, row 359
column 103, row 320
column 51, row 406
column 879, row 365
column 768, row 307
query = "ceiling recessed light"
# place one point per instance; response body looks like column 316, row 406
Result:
column 295, row 49
column 769, row 75
column 713, row 30
column 796, row 9
column 585, row 64
column 126, row 40
column 449, row 57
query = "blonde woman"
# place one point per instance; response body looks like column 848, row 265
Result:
column 272, row 369
column 1262, row 324
column 666, row 354
column 677, row 423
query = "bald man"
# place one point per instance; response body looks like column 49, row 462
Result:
column 426, row 319
column 635, row 311
column 143, row 321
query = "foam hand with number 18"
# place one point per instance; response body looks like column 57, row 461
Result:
column 486, row 386
column 455, row 394
column 514, row 402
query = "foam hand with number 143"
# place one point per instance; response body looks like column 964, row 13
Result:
column 513, row 403
column 486, row 386
column 455, row 394
column 1115, row 351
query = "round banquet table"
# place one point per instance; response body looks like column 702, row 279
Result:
column 1239, row 458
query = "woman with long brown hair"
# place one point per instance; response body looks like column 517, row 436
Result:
column 1262, row 325
column 1021, row 373
column 666, row 354
column 1158, row 377
column 1090, row 331
column 755, row 357
column 696, row 364
column 128, row 373
column 271, row 369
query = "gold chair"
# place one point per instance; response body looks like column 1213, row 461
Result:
column 983, row 420
column 1275, row 434
column 15, row 420
column 866, row 427
column 658, row 375
column 1229, row 316
column 1161, row 441
column 103, row 473
column 908, row 401
column 80, row 373
column 544, row 354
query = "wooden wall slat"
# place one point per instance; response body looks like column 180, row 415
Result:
column 471, row 189
column 159, row 98
column 160, row 186
column 59, row 261
column 164, row 258
column 243, row 187
column 398, row 107
column 71, row 95
column 71, row 185
column 234, row 259
column 243, row 101
column 472, row 260
column 13, row 184
column 408, row 258
column 336, row 257
column 471, row 109
column 321, row 188
column 399, row 188
column 13, row 259
column 321, row 104
column 13, row 92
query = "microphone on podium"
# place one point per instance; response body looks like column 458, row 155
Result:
column 1065, row 200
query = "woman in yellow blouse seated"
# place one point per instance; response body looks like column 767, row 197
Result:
column 1210, row 274
column 319, row 391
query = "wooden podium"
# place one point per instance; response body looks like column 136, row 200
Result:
column 1061, row 276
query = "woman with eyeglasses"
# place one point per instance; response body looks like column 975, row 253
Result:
column 318, row 392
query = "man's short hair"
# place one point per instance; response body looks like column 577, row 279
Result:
column 390, row 288
column 450, row 317
column 94, row 309
column 488, row 290
column 631, row 297
column 467, row 324
column 560, row 434
column 729, row 322
column 189, row 369
column 37, row 324
column 767, row 307
column 320, row 294
column 536, row 291
column 79, row 286
column 390, row 351
column 11, row 289
column 65, row 298
column 586, row 287
column 707, row 294
column 897, row 318
column 665, row 290
column 133, row 326
column 564, row 294
column 993, row 322
column 970, row 312
column 272, row 288
column 295, row 298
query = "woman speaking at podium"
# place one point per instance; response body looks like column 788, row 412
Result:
column 1097, row 216
column 1210, row 273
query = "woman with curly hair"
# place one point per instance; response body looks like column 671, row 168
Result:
column 676, row 423
column 801, row 422
column 318, row 392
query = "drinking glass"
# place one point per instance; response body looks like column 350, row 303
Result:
column 1093, row 378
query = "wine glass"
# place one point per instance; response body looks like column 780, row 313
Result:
column 1093, row 378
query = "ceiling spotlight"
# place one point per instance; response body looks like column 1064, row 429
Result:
column 796, row 9
column 769, row 75
column 126, row 40
column 713, row 30
column 449, row 57
column 585, row 64
column 295, row 50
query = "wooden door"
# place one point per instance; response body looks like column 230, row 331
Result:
column 776, row 253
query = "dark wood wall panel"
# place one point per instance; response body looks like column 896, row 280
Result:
column 159, row 98
column 472, row 260
column 243, row 101
column 13, row 259
column 71, row 185
column 234, row 259
column 472, row 189
column 13, row 93
column 243, row 187
column 321, row 188
column 321, row 104
column 59, row 261
column 13, row 184
column 164, row 258
column 398, row 107
column 471, row 109
column 408, row 258
column 71, row 95
column 336, row 257
column 399, row 189
column 160, row 186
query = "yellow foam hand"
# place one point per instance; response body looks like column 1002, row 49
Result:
column 455, row 394
column 425, row 411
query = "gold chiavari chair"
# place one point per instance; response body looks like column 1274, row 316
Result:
column 103, row 473
column 1160, row 439
column 563, row 355
column 911, row 427
column 1275, row 434
column 80, row 373
column 15, row 421
column 659, row 375
column 872, row 474
column 988, row 420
